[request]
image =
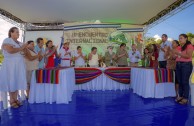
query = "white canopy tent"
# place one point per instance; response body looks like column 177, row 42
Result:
column 134, row 12
column 51, row 15
column 52, row 11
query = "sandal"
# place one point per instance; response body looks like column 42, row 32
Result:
column 183, row 101
column 178, row 99
column 14, row 105
column 18, row 103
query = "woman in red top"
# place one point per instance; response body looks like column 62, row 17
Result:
column 154, row 57
column 51, row 53
column 183, row 68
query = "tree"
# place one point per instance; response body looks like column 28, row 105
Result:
column 1, row 56
column 149, row 41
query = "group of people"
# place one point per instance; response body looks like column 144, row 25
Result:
column 176, row 56
column 21, row 59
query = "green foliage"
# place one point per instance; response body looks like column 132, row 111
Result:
column 190, row 37
column 1, row 56
column 150, row 40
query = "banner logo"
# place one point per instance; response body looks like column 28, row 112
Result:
column 117, row 37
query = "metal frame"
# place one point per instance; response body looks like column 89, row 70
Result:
column 20, row 25
column 10, row 16
column 169, row 12
column 45, row 27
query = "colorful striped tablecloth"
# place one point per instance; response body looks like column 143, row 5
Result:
column 83, row 75
column 121, row 75
column 164, row 75
column 50, row 75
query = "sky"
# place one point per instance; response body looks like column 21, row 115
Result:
column 4, row 28
column 182, row 22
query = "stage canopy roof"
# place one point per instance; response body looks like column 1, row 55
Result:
column 139, row 12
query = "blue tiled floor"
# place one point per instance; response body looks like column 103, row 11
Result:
column 102, row 108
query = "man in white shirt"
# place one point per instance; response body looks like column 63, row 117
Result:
column 134, row 56
column 65, row 55
column 80, row 57
column 164, row 44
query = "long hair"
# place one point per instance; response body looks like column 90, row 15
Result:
column 48, row 42
column 11, row 30
column 187, row 42
column 177, row 42
column 144, row 51
column 155, row 48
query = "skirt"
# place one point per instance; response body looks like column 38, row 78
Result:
column 13, row 75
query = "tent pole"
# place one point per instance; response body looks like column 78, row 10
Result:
column 144, row 37
column 24, row 32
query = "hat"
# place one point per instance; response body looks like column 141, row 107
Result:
column 66, row 42
column 110, row 46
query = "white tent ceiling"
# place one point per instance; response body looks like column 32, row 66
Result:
column 58, row 11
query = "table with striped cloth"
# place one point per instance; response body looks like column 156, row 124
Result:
column 52, row 85
column 102, row 78
column 153, row 83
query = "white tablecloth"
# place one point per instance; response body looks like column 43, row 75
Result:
column 59, row 93
column 3, row 100
column 103, row 83
column 143, row 83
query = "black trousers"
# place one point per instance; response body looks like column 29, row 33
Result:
column 162, row 64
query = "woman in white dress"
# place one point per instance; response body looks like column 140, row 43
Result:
column 13, row 70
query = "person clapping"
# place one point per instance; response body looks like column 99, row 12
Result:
column 32, row 62
column 80, row 57
column 65, row 55
column 122, row 56
column 134, row 56
column 110, row 57
column 13, row 70
column 39, row 47
column 51, row 53
column 94, row 58
column 146, row 58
